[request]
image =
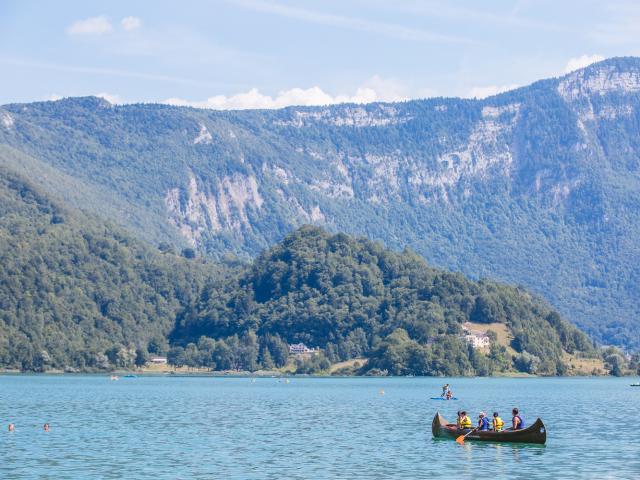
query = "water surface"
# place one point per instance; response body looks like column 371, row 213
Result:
column 237, row 428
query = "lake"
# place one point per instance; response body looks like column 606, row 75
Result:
column 238, row 428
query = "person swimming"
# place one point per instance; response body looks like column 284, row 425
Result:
column 12, row 427
column 46, row 427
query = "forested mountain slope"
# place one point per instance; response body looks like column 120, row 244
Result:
column 77, row 293
column 539, row 186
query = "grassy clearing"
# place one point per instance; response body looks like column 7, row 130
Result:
column 584, row 366
column 349, row 364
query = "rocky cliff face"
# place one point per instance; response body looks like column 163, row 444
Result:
column 198, row 211
column 538, row 186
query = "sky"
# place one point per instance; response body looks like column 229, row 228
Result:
column 272, row 53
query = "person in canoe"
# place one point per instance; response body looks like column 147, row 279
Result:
column 517, row 421
column 483, row 422
column 464, row 422
column 498, row 423
column 445, row 390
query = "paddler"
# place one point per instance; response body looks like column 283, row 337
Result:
column 483, row 422
column 498, row 424
column 517, row 421
column 465, row 421
column 445, row 389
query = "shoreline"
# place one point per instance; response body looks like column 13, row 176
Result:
column 121, row 374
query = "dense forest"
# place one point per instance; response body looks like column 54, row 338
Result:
column 76, row 294
column 354, row 298
column 536, row 187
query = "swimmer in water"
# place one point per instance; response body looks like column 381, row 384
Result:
column 11, row 427
column 46, row 427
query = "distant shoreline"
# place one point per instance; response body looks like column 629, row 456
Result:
column 277, row 375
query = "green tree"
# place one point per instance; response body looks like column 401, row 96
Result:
column 176, row 357
column 265, row 359
column 141, row 357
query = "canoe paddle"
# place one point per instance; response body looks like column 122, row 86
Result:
column 461, row 438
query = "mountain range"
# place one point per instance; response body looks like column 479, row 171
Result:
column 539, row 186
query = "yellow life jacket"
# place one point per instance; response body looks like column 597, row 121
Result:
column 498, row 424
column 465, row 422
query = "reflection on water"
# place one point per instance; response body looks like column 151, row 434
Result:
column 492, row 456
column 510, row 452
column 238, row 428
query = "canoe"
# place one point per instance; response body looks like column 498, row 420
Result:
column 445, row 399
column 535, row 433
column 635, row 384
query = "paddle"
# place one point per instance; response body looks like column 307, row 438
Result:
column 461, row 438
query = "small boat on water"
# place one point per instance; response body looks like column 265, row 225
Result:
column 535, row 433
column 635, row 384
column 131, row 375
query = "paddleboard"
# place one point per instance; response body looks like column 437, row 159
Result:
column 444, row 399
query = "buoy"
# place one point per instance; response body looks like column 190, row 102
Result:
column 381, row 392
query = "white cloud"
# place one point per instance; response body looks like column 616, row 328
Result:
column 581, row 62
column 130, row 23
column 375, row 89
column 489, row 90
column 112, row 98
column 91, row 26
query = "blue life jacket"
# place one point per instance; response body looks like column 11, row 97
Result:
column 485, row 424
column 521, row 424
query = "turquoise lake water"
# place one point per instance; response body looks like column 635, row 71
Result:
column 310, row 428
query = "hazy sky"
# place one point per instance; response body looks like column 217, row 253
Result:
column 254, row 53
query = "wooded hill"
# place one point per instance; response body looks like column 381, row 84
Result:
column 355, row 298
column 76, row 293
